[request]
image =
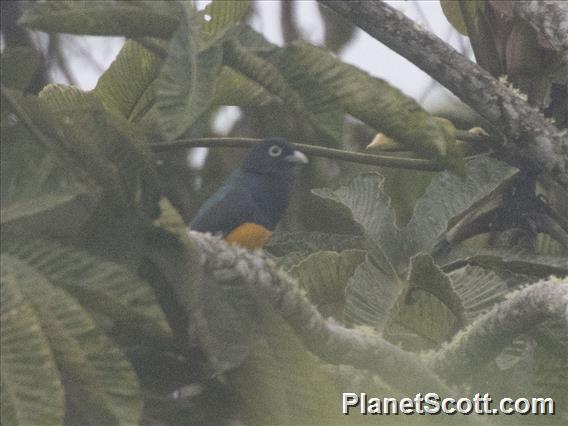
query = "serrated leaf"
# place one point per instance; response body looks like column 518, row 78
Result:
column 186, row 84
column 324, row 276
column 99, row 378
column 119, row 18
column 31, row 389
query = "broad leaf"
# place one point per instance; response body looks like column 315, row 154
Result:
column 220, row 17
column 331, row 84
column 98, row 377
column 478, row 290
column 128, row 18
column 126, row 86
column 31, row 390
column 310, row 242
column 117, row 156
column 446, row 196
column 186, row 85
column 103, row 287
column 324, row 276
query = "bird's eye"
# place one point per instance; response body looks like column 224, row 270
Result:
column 274, row 151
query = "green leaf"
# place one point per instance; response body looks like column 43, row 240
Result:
column 478, row 290
column 233, row 88
column 110, row 148
column 126, row 86
column 426, row 275
column 121, row 18
column 309, row 242
column 281, row 374
column 446, row 197
column 328, row 82
column 186, row 85
column 19, row 64
column 222, row 17
column 370, row 296
column 324, row 276
column 99, row 379
column 31, row 389
column 325, row 118
column 370, row 207
column 103, row 287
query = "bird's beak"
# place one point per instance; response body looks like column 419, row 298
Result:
column 297, row 157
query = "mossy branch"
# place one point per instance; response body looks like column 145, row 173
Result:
column 477, row 345
column 530, row 139
column 332, row 342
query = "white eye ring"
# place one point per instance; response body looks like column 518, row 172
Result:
column 274, row 151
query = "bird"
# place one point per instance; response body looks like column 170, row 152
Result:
column 249, row 204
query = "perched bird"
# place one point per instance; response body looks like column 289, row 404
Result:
column 250, row 203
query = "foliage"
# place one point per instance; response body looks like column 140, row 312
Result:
column 108, row 316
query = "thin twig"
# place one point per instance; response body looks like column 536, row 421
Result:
column 336, row 154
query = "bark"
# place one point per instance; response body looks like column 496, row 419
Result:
column 530, row 140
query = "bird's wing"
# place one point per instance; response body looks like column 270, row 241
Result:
column 229, row 207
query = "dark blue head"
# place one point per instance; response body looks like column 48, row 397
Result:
column 273, row 156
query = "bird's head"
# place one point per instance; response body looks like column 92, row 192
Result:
column 273, row 156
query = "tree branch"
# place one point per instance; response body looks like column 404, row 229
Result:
column 530, row 139
column 320, row 151
column 332, row 342
column 548, row 18
column 492, row 332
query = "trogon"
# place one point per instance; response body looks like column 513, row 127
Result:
column 250, row 203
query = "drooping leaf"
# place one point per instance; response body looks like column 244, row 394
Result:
column 132, row 18
column 325, row 118
column 186, row 84
column 31, row 389
column 373, row 101
column 97, row 375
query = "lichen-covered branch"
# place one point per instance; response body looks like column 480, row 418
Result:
column 475, row 346
column 332, row 342
column 530, row 139
column 548, row 18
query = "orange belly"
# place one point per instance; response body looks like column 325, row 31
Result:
column 249, row 235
